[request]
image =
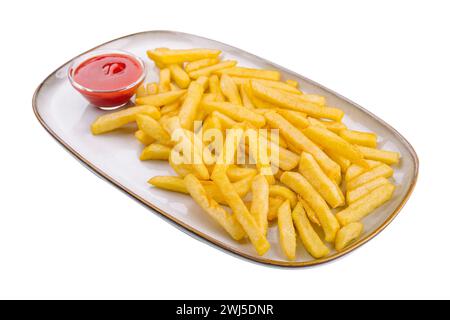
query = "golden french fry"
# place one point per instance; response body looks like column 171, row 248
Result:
column 180, row 76
column 300, row 141
column 141, row 91
column 214, row 87
column 152, row 128
column 230, row 90
column 190, row 105
column 367, row 139
column 299, row 184
column 251, row 73
column 164, row 80
column 204, row 81
column 161, row 99
column 316, row 122
column 260, row 202
column 226, row 220
column 278, row 191
column 143, row 138
column 348, row 234
column 331, row 141
column 241, row 212
column 297, row 118
column 365, row 205
column 309, row 237
column 312, row 216
column 286, row 229
column 334, row 126
column 207, row 71
column 236, row 112
column 382, row 170
column 292, row 83
column 171, row 183
column 295, row 102
column 180, row 169
column 355, row 170
column 202, row 63
column 155, row 151
column 246, row 101
column 362, row 190
column 169, row 56
column 237, row 173
column 256, row 102
column 171, row 107
column 274, row 204
column 326, row 187
column 115, row 120
column 152, row 88
column 270, row 83
column 314, row 98
column 388, row 157
column 343, row 162
column 225, row 121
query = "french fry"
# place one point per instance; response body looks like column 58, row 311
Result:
column 355, row 170
column 230, row 90
column 207, row 71
column 362, row 190
column 155, row 151
column 292, row 83
column 315, row 122
column 164, row 80
column 348, row 234
column 152, row 88
column 314, row 98
column 204, row 81
column 181, row 55
column 367, row 139
column 274, row 204
column 312, row 216
column 141, row 91
column 260, row 202
column 198, row 64
column 225, row 121
column 365, row 205
column 246, row 101
column 334, row 126
column 180, row 169
column 299, row 184
column 286, row 229
column 171, row 107
column 236, row 112
column 214, row 87
column 308, row 236
column 270, row 83
column 300, row 141
column 331, row 141
column 256, row 102
column 190, row 105
column 115, row 120
column 160, row 99
column 388, row 157
column 297, row 118
column 152, row 128
column 241, row 212
column 382, row 170
column 251, row 73
column 278, row 191
column 226, row 220
column 327, row 188
column 294, row 102
column 237, row 173
column 143, row 138
column 343, row 162
column 180, row 76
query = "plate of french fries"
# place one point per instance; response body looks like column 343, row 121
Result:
column 239, row 151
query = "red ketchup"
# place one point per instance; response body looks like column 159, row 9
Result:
column 108, row 80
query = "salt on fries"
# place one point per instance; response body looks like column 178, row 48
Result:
column 206, row 114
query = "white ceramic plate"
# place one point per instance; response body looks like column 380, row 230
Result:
column 67, row 117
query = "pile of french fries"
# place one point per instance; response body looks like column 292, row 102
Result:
column 326, row 179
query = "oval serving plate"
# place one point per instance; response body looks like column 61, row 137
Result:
column 114, row 157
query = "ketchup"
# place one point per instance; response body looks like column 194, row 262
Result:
column 108, row 80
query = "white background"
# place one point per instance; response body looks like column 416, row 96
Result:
column 64, row 233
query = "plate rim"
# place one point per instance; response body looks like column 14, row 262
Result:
column 196, row 233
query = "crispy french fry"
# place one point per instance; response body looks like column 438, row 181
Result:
column 155, row 151
column 246, row 101
column 141, row 91
column 251, row 73
column 312, row 216
column 241, row 212
column 309, row 237
column 326, row 187
column 286, row 229
column 164, row 80
column 237, row 173
column 365, row 205
column 236, row 112
column 292, row 83
column 297, row 118
column 152, row 128
column 204, row 81
column 300, row 141
column 348, row 234
column 152, row 88
column 226, row 220
column 314, row 98
column 207, row 71
column 283, row 192
column 230, row 90
column 316, row 122
column 180, row 76
column 160, row 99
column 270, row 83
column 190, row 105
column 214, row 87
column 171, row 107
column 299, row 184
column 343, row 162
column 294, row 102
column 367, row 139
column 334, row 126
column 388, row 157
column 382, row 170
column 180, row 169
column 143, row 138
column 225, row 121
column 115, row 120
column 355, row 170
column 198, row 64
column 182, row 55
column 362, row 190
column 274, row 204
column 260, row 202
